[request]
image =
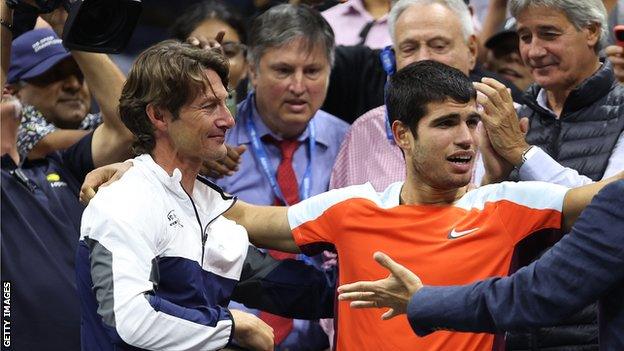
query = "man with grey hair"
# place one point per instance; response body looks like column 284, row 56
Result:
column 292, row 143
column 369, row 153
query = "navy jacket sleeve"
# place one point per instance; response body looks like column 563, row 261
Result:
column 579, row 269
column 289, row 288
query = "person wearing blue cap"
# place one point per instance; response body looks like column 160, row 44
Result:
column 40, row 212
column 44, row 76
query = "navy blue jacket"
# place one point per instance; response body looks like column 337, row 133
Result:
column 585, row 266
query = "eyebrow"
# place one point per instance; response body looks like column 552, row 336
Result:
column 445, row 117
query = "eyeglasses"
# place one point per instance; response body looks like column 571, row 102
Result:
column 231, row 49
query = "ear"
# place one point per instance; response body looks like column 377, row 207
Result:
column 157, row 117
column 593, row 34
column 253, row 74
column 473, row 48
column 402, row 135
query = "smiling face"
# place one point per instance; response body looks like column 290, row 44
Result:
column 60, row 94
column 442, row 153
column 290, row 84
column 437, row 36
column 558, row 55
column 198, row 134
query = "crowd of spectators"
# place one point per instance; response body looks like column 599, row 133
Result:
column 318, row 99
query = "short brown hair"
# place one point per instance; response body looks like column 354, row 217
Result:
column 166, row 75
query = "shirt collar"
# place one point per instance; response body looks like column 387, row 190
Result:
column 207, row 197
column 242, row 137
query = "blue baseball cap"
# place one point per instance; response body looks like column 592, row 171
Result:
column 34, row 53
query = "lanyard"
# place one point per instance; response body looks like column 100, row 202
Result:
column 262, row 157
column 387, row 115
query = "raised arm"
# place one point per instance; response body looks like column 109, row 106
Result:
column 111, row 140
column 267, row 226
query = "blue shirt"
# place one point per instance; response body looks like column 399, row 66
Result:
column 585, row 266
column 251, row 185
column 40, row 230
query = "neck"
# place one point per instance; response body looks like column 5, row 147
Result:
column 377, row 8
column 418, row 192
column 169, row 159
column 557, row 97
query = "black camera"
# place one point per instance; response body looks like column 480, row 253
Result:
column 92, row 25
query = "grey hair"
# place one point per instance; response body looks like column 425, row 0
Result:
column 580, row 13
column 282, row 24
column 459, row 7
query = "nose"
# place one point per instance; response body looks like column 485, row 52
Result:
column 466, row 136
column 535, row 49
column 423, row 54
column 72, row 83
column 225, row 119
column 297, row 83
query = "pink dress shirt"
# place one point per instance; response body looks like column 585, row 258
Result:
column 367, row 155
column 349, row 18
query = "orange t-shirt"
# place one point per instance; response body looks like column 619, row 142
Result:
column 470, row 240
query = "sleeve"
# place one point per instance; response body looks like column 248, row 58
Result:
column 526, row 207
column 542, row 167
column 91, row 121
column 123, row 265
column 316, row 221
column 616, row 161
column 78, row 157
column 581, row 268
column 32, row 129
column 289, row 288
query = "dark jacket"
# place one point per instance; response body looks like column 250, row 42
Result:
column 588, row 128
column 582, row 139
column 585, row 266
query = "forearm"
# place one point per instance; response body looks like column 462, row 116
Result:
column 290, row 288
column 267, row 226
column 542, row 167
column 494, row 19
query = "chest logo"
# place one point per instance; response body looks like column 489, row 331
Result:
column 174, row 221
column 55, row 180
column 458, row 234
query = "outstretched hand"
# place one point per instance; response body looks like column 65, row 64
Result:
column 393, row 292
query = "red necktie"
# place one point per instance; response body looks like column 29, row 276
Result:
column 287, row 181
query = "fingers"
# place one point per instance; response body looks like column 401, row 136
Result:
column 389, row 264
column 357, row 295
column 363, row 304
column 524, row 125
column 86, row 194
column 219, row 37
column 389, row 314
column 362, row 286
column 205, row 43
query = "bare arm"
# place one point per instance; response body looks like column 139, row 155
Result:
column 111, row 140
column 577, row 199
column 494, row 19
column 267, row 225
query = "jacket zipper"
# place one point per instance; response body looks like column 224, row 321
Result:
column 202, row 235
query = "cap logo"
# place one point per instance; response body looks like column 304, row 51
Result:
column 45, row 42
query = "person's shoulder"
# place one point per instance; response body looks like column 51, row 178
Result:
column 534, row 194
column 327, row 120
column 371, row 123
